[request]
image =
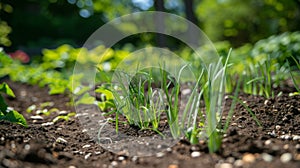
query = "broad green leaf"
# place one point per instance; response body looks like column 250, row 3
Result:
column 86, row 99
column 14, row 117
column 67, row 117
column 31, row 108
column 4, row 88
column 56, row 89
column 108, row 94
column 3, row 105
column 105, row 105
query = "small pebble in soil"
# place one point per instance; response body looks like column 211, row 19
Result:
column 97, row 152
column 134, row 158
column 297, row 146
column 297, row 157
column 12, row 144
column 114, row 163
column 9, row 163
column 234, row 124
column 195, row 154
column 248, row 158
column 230, row 160
column 286, row 137
column 81, row 114
column 71, row 166
column 296, row 137
column 61, row 140
column 27, row 147
column 160, row 154
column 273, row 134
column 268, row 142
column 201, row 142
column 223, row 165
column 275, row 148
column 238, row 163
column 23, row 93
column 172, row 166
column 86, row 146
column 36, row 117
column 266, row 102
column 286, row 146
column 34, row 99
column 63, row 112
column 75, row 152
column 286, row 157
column 47, row 124
column 186, row 91
column 267, row 157
column 195, row 148
column 121, row 158
column 87, row 156
column 277, row 127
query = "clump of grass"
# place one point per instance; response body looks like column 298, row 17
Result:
column 172, row 100
column 143, row 106
column 258, row 79
column 138, row 101
column 210, row 87
column 296, row 85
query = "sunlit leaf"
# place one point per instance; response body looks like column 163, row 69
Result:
column 4, row 88
column 14, row 117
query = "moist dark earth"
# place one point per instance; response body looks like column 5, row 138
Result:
column 65, row 144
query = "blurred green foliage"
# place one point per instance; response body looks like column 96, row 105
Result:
column 46, row 24
column 5, row 30
column 56, row 67
column 34, row 24
column 241, row 21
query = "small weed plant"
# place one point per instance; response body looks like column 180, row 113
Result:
column 293, row 76
column 7, row 113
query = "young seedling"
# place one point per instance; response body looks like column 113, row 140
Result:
column 172, row 99
column 7, row 113
column 259, row 79
column 135, row 99
column 211, row 89
column 296, row 85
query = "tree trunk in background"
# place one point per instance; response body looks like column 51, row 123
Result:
column 190, row 15
column 159, row 21
column 189, row 11
column 298, row 3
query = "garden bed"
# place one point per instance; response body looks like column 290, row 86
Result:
column 66, row 144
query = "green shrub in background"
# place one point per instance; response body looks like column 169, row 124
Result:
column 264, row 64
column 248, row 20
column 279, row 47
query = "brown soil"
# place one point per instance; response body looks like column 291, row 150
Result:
column 275, row 144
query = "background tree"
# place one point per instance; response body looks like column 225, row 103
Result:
column 36, row 24
column 248, row 20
